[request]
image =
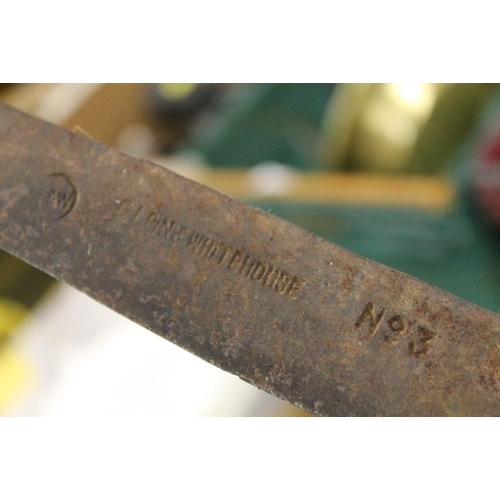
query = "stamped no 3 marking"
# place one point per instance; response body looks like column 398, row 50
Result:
column 394, row 329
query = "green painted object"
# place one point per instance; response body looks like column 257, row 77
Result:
column 255, row 123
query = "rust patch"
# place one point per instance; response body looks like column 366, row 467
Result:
column 303, row 319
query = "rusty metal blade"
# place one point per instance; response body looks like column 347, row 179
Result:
column 299, row 317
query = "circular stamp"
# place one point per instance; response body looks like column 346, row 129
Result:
column 60, row 195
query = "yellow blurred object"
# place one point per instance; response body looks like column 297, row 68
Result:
column 14, row 369
column 399, row 127
column 11, row 315
column 176, row 91
column 15, row 375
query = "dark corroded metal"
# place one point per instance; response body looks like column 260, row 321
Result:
column 301, row 318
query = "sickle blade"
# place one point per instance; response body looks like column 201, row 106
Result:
column 297, row 316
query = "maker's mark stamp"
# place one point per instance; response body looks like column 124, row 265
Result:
column 60, row 195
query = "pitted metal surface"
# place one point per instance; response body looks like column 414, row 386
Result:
column 285, row 310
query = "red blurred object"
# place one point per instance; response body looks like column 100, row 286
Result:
column 486, row 181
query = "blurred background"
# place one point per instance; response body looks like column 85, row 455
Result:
column 404, row 174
